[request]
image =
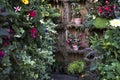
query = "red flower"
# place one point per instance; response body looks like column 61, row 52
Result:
column 5, row 44
column 107, row 8
column 33, row 32
column 100, row 9
column 32, row 13
column 2, row 53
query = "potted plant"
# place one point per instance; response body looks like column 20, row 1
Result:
column 76, row 15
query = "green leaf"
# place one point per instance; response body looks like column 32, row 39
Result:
column 3, row 32
column 93, row 66
column 110, row 75
column 100, row 22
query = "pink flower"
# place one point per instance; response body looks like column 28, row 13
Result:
column 81, row 34
column 17, row 8
column 33, row 32
column 114, row 7
column 68, row 41
column 107, row 2
column 2, row 53
column 100, row 9
column 82, row 44
column 32, row 13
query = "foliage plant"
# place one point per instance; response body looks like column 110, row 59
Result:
column 109, row 49
column 76, row 10
column 103, row 11
column 27, row 39
column 76, row 67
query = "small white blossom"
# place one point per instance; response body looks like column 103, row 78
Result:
column 42, row 21
column 18, row 36
column 95, row 1
column 93, row 16
column 115, row 22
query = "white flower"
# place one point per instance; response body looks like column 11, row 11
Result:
column 93, row 16
column 95, row 1
column 115, row 22
column 42, row 21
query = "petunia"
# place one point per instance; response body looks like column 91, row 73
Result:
column 2, row 53
column 32, row 13
column 17, row 8
column 25, row 1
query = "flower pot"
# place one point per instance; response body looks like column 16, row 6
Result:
column 77, row 21
column 75, row 47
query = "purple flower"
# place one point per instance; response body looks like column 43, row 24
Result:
column 46, row 31
column 2, row 53
column 10, row 31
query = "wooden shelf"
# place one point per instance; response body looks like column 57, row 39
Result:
column 68, row 25
column 68, row 50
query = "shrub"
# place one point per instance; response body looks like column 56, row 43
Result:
column 76, row 67
column 27, row 39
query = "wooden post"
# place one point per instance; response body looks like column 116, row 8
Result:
column 66, row 11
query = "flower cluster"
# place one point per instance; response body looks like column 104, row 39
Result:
column 106, row 10
column 72, row 40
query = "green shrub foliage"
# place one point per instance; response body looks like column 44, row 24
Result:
column 109, row 48
column 76, row 67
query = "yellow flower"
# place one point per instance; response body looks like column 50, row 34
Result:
column 25, row 1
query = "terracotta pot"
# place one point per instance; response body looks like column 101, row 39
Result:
column 77, row 21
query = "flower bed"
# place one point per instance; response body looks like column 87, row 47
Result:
column 26, row 39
